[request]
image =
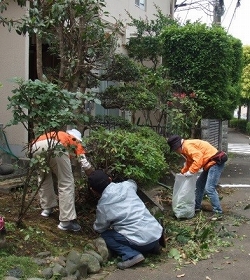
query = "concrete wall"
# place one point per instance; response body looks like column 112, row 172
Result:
column 14, row 63
column 216, row 135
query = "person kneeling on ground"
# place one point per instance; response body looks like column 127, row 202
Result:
column 123, row 220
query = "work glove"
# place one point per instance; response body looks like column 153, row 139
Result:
column 188, row 174
column 85, row 165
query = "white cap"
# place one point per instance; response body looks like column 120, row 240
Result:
column 76, row 133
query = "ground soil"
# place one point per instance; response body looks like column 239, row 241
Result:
column 36, row 234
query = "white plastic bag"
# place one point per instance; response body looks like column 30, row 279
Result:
column 183, row 199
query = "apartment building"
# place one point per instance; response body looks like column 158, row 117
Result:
column 16, row 54
column 137, row 9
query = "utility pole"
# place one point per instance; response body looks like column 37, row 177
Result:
column 218, row 11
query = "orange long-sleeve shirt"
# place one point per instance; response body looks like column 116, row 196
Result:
column 197, row 153
column 67, row 140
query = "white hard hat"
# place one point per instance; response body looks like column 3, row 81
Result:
column 76, row 133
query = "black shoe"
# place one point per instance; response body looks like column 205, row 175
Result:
column 156, row 250
column 162, row 240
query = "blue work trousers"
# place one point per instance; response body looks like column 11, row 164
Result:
column 206, row 183
column 122, row 247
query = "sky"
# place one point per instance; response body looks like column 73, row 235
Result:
column 236, row 21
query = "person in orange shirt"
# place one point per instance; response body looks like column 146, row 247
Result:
column 200, row 154
column 63, row 146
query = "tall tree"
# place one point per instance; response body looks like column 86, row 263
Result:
column 150, row 92
column 146, row 88
column 177, row 111
column 246, row 80
column 208, row 60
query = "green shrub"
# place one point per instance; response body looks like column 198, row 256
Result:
column 138, row 154
column 248, row 128
column 233, row 123
column 239, row 124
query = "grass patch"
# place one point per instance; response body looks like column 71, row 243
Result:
column 20, row 267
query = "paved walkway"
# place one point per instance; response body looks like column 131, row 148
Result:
column 238, row 143
column 237, row 171
column 239, row 148
column 232, row 262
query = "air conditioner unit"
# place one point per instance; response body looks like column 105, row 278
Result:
column 128, row 34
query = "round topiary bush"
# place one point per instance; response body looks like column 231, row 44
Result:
column 138, row 154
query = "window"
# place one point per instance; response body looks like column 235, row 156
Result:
column 141, row 4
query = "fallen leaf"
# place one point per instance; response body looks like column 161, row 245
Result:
column 174, row 253
column 218, row 267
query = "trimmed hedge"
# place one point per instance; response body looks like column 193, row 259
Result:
column 138, row 154
column 248, row 128
column 240, row 124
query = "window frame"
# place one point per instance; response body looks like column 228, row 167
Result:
column 141, row 4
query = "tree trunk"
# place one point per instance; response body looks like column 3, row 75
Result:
column 61, row 54
column 248, row 111
column 39, row 58
column 239, row 112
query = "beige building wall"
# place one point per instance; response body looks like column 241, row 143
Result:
column 14, row 55
column 14, row 63
column 120, row 9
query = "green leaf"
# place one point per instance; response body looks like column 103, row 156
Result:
column 174, row 253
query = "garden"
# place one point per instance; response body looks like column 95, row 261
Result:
column 157, row 100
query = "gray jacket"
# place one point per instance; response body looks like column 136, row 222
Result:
column 120, row 208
